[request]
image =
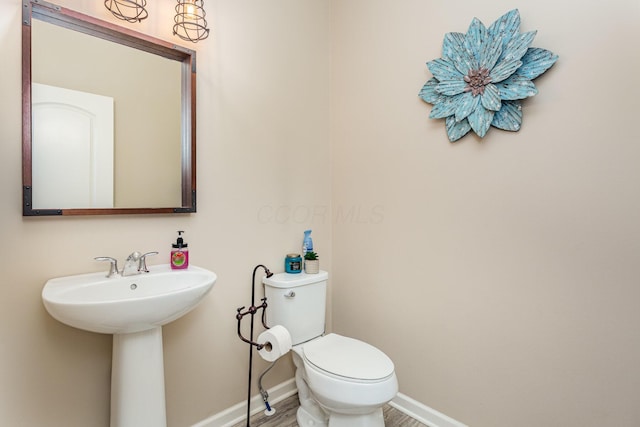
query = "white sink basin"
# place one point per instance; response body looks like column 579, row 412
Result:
column 119, row 305
column 133, row 309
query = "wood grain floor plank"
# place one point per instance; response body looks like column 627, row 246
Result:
column 285, row 416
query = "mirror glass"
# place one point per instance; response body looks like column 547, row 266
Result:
column 109, row 117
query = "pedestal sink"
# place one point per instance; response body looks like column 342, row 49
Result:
column 133, row 309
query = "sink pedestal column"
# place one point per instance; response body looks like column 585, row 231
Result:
column 137, row 380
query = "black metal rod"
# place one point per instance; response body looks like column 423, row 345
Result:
column 252, row 311
column 250, row 369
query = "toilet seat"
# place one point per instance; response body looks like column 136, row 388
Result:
column 348, row 358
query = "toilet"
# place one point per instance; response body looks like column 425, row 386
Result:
column 341, row 381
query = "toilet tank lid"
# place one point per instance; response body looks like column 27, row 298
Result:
column 288, row 280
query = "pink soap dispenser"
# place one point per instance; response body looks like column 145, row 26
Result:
column 179, row 253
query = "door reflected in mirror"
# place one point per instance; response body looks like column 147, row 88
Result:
column 111, row 119
column 72, row 148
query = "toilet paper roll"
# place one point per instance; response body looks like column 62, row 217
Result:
column 276, row 341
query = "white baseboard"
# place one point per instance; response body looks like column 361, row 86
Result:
column 238, row 412
column 404, row 404
column 423, row 413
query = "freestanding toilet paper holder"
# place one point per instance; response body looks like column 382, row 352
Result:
column 252, row 310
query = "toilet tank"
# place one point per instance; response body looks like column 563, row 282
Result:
column 297, row 302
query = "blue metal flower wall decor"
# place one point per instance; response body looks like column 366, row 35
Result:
column 483, row 75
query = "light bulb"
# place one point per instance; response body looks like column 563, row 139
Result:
column 190, row 11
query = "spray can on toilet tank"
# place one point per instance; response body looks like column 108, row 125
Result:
column 307, row 243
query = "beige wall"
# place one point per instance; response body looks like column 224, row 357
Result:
column 502, row 276
column 263, row 150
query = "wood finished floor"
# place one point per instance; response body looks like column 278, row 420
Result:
column 285, row 416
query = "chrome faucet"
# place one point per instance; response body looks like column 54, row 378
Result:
column 131, row 264
column 135, row 263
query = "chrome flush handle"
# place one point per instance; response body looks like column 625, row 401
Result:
column 290, row 294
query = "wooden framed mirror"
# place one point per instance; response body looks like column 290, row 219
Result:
column 108, row 118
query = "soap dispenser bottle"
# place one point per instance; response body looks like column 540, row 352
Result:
column 179, row 253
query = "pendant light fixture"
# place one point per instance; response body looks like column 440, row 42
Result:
column 190, row 23
column 127, row 10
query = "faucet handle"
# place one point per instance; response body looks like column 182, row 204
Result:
column 142, row 263
column 113, row 267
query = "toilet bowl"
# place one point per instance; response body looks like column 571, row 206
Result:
column 341, row 381
column 348, row 379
